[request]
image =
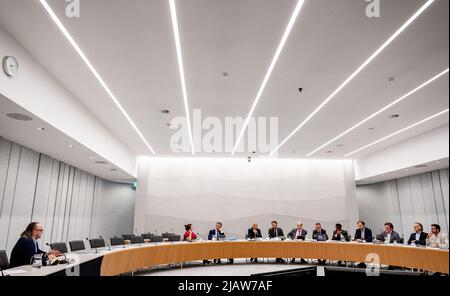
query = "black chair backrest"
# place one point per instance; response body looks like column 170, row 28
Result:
column 117, row 241
column 97, row 243
column 156, row 239
column 4, row 262
column 174, row 238
column 146, row 235
column 77, row 245
column 137, row 239
column 380, row 237
column 167, row 234
column 127, row 236
column 61, row 247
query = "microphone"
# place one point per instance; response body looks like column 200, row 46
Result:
column 65, row 258
column 156, row 232
column 106, row 243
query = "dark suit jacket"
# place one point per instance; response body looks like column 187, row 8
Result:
column 272, row 233
column 23, row 251
column 394, row 236
column 322, row 231
column 367, row 234
column 212, row 233
column 251, row 234
column 421, row 241
column 338, row 237
column 294, row 232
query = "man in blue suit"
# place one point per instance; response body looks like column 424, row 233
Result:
column 217, row 233
column 363, row 233
column 27, row 246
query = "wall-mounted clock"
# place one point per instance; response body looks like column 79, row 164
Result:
column 10, row 66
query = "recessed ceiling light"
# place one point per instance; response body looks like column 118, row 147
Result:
column 70, row 146
column 77, row 48
column 398, row 132
column 19, row 116
column 437, row 162
column 269, row 71
column 176, row 34
column 42, row 129
column 406, row 169
column 165, row 111
column 92, row 157
column 380, row 111
column 394, row 116
column 106, row 166
column 354, row 74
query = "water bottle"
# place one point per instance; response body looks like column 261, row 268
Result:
column 37, row 261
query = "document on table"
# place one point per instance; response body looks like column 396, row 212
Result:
column 14, row 271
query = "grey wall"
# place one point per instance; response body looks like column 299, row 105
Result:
column 175, row 191
column 423, row 198
column 70, row 203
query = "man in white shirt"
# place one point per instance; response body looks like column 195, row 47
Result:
column 298, row 233
column 436, row 238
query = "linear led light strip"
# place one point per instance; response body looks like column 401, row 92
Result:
column 269, row 71
column 176, row 34
column 347, row 81
column 93, row 70
column 381, row 110
column 397, row 132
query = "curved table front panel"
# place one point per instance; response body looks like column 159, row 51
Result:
column 129, row 259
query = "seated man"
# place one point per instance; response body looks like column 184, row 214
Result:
column 27, row 246
column 436, row 238
column 363, row 234
column 320, row 235
column 254, row 233
column 339, row 234
column 418, row 237
column 276, row 232
column 217, row 233
column 298, row 233
column 389, row 235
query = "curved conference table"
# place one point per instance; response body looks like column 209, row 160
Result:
column 133, row 258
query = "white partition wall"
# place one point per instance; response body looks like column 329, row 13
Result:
column 175, row 191
column 423, row 198
column 70, row 203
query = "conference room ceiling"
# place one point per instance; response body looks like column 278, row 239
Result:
column 131, row 44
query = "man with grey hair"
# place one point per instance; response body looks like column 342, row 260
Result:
column 298, row 233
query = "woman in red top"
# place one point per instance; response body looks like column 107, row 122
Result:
column 189, row 235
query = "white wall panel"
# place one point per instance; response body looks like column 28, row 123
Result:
column 70, row 203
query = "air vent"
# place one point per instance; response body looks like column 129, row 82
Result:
column 420, row 166
column 101, row 162
column 19, row 116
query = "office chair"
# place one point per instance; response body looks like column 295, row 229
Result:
column 137, row 239
column 77, row 245
column 146, row 235
column 127, row 236
column 61, row 247
column 174, row 238
column 380, row 237
column 167, row 234
column 96, row 243
column 156, row 239
column 117, row 241
column 4, row 262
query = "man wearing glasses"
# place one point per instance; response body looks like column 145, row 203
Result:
column 27, row 246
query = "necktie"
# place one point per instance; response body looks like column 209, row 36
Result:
column 362, row 234
column 35, row 246
column 276, row 232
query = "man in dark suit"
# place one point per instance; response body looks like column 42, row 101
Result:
column 340, row 234
column 254, row 233
column 216, row 234
column 298, row 233
column 320, row 235
column 27, row 246
column 276, row 232
column 418, row 237
column 363, row 233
